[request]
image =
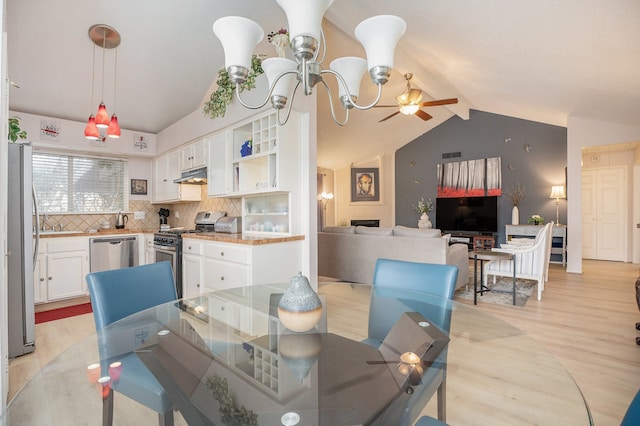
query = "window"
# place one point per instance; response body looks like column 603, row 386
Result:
column 75, row 184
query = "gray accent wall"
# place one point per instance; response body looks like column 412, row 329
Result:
column 486, row 135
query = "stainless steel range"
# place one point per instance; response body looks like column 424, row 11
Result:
column 168, row 243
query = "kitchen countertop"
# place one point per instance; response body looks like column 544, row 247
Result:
column 241, row 238
column 98, row 233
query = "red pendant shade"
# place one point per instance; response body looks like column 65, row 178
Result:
column 102, row 118
column 114, row 128
column 91, row 130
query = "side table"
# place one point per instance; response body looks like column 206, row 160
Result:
column 482, row 256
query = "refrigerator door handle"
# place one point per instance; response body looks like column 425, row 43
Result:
column 35, row 207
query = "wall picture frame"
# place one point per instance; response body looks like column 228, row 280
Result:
column 365, row 184
column 138, row 187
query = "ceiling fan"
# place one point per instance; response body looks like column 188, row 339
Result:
column 410, row 102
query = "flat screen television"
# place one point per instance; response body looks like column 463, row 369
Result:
column 478, row 214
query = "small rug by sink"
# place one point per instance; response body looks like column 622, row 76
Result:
column 66, row 312
column 500, row 292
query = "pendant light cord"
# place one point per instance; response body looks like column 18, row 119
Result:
column 104, row 44
column 93, row 77
column 115, row 81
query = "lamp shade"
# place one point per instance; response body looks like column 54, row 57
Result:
column 275, row 66
column 114, row 128
column 557, row 191
column 379, row 36
column 239, row 37
column 304, row 17
column 351, row 69
column 91, row 130
column 102, row 118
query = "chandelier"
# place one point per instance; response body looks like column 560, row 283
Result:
column 105, row 37
column 378, row 35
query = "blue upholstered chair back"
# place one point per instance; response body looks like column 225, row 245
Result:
column 423, row 279
column 632, row 416
column 119, row 293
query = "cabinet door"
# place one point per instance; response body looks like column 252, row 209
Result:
column 65, row 274
column 218, row 170
column 186, row 157
column 40, row 280
column 199, row 153
column 191, row 275
column 166, row 170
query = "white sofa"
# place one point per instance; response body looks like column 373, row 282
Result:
column 349, row 253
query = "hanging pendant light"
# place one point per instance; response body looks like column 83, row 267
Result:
column 105, row 37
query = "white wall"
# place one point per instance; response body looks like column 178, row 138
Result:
column 4, row 101
column 581, row 133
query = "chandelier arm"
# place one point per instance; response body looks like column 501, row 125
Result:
column 293, row 95
column 322, row 46
column 346, row 88
column 252, row 106
column 333, row 113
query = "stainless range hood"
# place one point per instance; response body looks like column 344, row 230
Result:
column 194, row 177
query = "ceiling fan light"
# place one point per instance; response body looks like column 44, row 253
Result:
column 91, row 130
column 409, row 109
column 273, row 67
column 102, row 118
column 304, row 17
column 379, row 36
column 114, row 128
column 351, row 69
column 239, row 37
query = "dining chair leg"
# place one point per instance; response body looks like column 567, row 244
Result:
column 166, row 419
column 442, row 401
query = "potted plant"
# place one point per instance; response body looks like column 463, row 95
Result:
column 424, row 207
column 217, row 104
column 15, row 132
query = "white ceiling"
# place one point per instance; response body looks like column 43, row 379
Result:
column 542, row 61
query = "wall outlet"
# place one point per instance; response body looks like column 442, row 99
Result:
column 177, row 214
column 138, row 215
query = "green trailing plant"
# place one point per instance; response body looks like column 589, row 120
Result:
column 15, row 132
column 231, row 415
column 222, row 96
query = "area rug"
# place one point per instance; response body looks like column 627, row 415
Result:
column 500, row 292
column 69, row 311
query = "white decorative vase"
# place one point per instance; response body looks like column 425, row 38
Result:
column 515, row 216
column 424, row 222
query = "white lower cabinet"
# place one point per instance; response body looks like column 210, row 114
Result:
column 61, row 268
column 224, row 265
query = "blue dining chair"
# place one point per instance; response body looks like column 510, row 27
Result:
column 119, row 293
column 399, row 287
column 632, row 416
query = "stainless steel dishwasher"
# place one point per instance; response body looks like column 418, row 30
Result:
column 113, row 253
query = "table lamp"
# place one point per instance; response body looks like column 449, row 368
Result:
column 557, row 192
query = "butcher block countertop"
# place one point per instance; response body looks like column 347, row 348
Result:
column 241, row 238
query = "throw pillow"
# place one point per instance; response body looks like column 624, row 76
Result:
column 340, row 229
column 371, row 230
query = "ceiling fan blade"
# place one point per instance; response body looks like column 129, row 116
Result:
column 420, row 113
column 388, row 117
column 440, row 102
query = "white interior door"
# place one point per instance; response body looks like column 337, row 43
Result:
column 604, row 213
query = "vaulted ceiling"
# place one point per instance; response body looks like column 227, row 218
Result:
column 543, row 61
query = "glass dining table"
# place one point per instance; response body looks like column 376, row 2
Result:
column 225, row 359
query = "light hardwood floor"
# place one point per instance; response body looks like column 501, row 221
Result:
column 587, row 321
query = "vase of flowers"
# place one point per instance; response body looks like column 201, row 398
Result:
column 279, row 40
column 516, row 195
column 536, row 219
column 424, row 208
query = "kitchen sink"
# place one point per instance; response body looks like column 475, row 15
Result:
column 60, row 232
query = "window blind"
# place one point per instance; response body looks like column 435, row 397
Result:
column 75, row 184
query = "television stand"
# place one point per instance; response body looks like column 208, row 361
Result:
column 473, row 239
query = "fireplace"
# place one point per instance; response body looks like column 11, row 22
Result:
column 366, row 222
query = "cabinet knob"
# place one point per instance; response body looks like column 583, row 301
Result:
column 41, row 279
column 189, row 247
column 221, row 253
column 198, row 285
column 222, row 278
column 50, row 278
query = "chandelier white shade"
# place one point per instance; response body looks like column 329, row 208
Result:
column 239, row 37
column 379, row 35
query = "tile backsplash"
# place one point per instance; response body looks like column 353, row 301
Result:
column 151, row 222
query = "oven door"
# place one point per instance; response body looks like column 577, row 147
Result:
column 170, row 254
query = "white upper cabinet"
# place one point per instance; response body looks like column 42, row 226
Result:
column 193, row 155
column 166, row 169
column 218, row 176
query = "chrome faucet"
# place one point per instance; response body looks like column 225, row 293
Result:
column 45, row 217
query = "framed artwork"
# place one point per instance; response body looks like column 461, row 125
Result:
column 138, row 187
column 365, row 184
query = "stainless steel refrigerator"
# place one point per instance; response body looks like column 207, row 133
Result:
column 22, row 249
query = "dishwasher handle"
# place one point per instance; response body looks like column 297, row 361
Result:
column 112, row 240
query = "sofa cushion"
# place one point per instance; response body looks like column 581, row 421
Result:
column 405, row 231
column 371, row 230
column 340, row 229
